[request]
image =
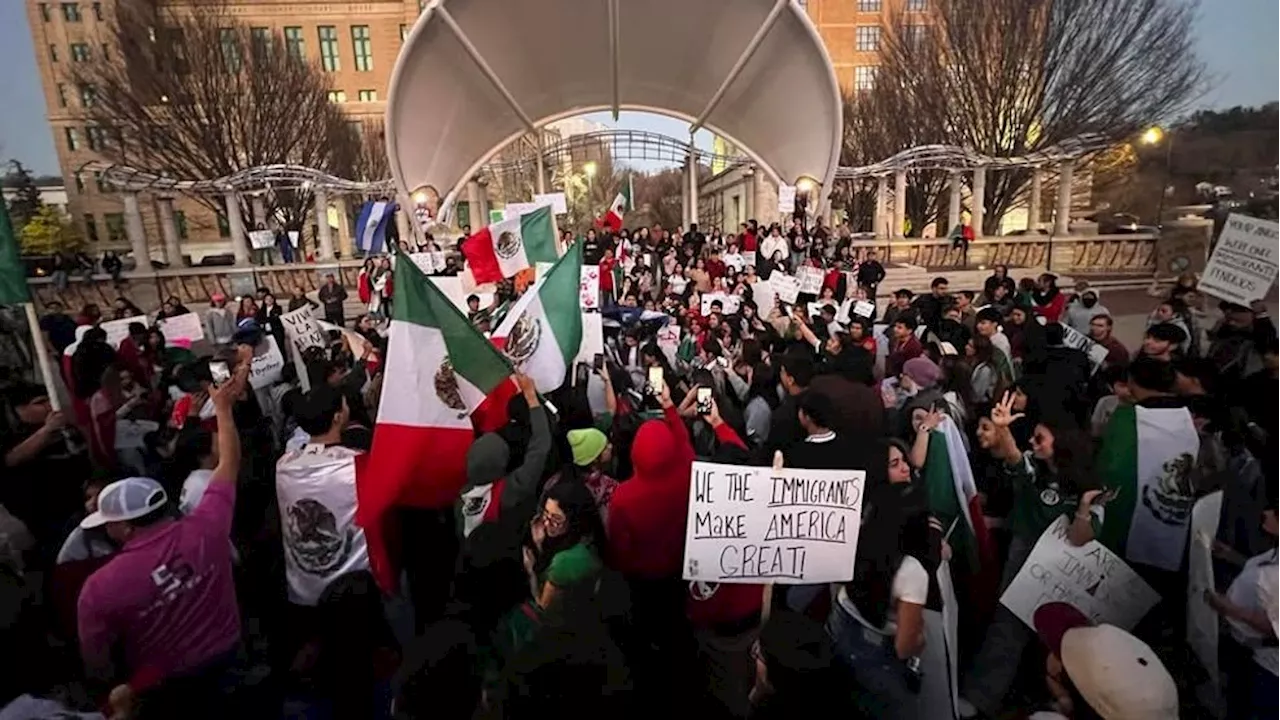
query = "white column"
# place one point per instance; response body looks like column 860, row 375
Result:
column 324, row 235
column 693, row 186
column 239, row 241
column 1062, row 213
column 684, row 197
column 979, row 200
column 899, row 204
column 880, row 220
column 541, row 183
column 953, row 207
column 346, row 235
column 748, row 196
column 259, row 207
column 169, row 231
column 133, row 230
column 1033, row 206
column 475, row 202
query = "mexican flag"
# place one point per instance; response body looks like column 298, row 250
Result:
column 953, row 500
column 1147, row 455
column 443, row 381
column 505, row 248
column 543, row 331
column 13, row 276
column 613, row 218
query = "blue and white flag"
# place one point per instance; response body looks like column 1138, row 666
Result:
column 371, row 226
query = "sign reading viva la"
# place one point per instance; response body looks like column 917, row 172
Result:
column 756, row 524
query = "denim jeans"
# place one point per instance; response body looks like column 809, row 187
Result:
column 878, row 672
column 996, row 665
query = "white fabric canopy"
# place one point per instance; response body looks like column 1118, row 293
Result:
column 476, row 74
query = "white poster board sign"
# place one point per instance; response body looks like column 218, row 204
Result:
column 559, row 204
column 118, row 330
column 592, row 338
column 267, row 364
column 1243, row 265
column 810, row 279
column 786, row 287
column 181, row 327
column 786, row 199
column 735, row 261
column 864, row 309
column 589, row 287
column 668, row 339
column 1075, row 339
column 429, row 263
column 452, row 287
column 729, row 304
column 1202, row 620
column 1090, row 577
column 302, row 331
column 755, row 524
column 354, row 339
column 262, row 239
column 764, row 296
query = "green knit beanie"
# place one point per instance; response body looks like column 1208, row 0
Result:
column 586, row 445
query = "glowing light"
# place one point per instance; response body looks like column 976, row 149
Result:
column 1152, row 136
column 589, row 168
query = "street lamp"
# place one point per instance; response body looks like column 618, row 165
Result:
column 1155, row 135
column 589, row 168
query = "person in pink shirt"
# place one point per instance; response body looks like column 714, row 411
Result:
column 165, row 605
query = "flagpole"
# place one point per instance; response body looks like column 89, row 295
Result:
column 42, row 356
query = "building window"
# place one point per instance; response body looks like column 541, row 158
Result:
column 97, row 137
column 224, row 226
column 115, row 226
column 90, row 227
column 230, row 49
column 915, row 35
column 73, row 139
column 363, row 47
column 917, row 5
column 180, row 220
column 79, row 183
column 864, row 77
column 329, row 48
column 294, row 43
column 101, row 183
column 868, row 5
column 404, row 31
column 97, row 11
column 88, row 95
column 368, row 95
column 79, row 52
column 260, row 43
column 62, row 95
column 71, row 12
column 337, row 96
column 867, row 38
column 44, row 12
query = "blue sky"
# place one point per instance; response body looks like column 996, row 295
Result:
column 1236, row 39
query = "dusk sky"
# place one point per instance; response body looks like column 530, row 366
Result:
column 1236, row 38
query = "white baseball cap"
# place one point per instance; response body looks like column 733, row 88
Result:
column 127, row 499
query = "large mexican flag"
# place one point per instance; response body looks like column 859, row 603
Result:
column 505, row 248
column 441, row 376
column 543, row 331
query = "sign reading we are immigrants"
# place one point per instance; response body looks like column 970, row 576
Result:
column 756, row 524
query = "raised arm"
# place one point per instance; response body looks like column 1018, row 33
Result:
column 522, row 483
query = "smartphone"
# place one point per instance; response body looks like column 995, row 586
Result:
column 655, row 381
column 219, row 371
column 704, row 401
column 598, row 362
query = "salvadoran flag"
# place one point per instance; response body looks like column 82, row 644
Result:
column 371, row 226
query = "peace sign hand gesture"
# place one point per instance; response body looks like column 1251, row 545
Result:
column 1002, row 414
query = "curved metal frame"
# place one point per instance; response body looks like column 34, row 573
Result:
column 954, row 157
column 622, row 144
column 279, row 177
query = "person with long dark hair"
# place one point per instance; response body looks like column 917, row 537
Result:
column 762, row 400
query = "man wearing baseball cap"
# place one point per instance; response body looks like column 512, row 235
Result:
column 1101, row 671
column 165, row 604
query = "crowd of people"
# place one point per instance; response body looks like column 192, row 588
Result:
column 154, row 565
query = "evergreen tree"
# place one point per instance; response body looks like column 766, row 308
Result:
column 26, row 203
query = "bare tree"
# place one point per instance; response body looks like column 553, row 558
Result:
column 1009, row 77
column 191, row 92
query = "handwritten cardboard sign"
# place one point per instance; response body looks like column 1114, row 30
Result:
column 1243, row 265
column 267, row 364
column 262, row 239
column 118, row 330
column 589, row 287
column 785, row 287
column 181, row 327
column 810, row 279
column 1090, row 577
column 755, row 524
column 302, row 331
column 729, row 304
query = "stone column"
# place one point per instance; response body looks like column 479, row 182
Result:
column 324, row 235
column 880, row 221
column 540, row 185
column 346, row 235
column 133, row 230
column 684, row 197
column 259, row 211
column 239, row 241
column 748, row 195
column 1062, row 212
column 475, row 206
column 953, row 207
column 693, row 187
column 169, row 231
column 1033, row 205
column 979, row 200
column 899, row 204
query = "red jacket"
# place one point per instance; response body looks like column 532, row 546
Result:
column 364, row 289
column 648, row 512
column 723, row 605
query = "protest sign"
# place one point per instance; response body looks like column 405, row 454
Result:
column 302, row 331
column 764, row 296
column 354, row 339
column 558, row 202
column 810, row 279
column 267, row 363
column 1182, row 248
column 592, row 338
column 262, row 239
column 181, row 327
column 1242, row 267
column 451, row 286
column 1073, row 338
column 1090, row 577
column 729, row 304
column 749, row 257
column 668, row 338
column 786, row 199
column 734, row 260
column 429, row 263
column 756, row 524
column 786, row 287
column 118, row 330
column 1202, row 620
column 939, row 661
column 815, row 308
column 589, row 287
column 864, row 309
column 294, row 237
column 131, row 434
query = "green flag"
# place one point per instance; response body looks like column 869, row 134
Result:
column 13, row 276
